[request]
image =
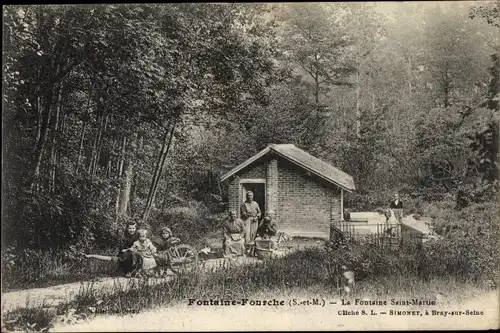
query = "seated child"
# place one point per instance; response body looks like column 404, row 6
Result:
column 166, row 240
column 163, row 243
column 146, row 249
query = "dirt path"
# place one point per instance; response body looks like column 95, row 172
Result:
column 270, row 318
column 52, row 296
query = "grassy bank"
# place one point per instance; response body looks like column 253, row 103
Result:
column 464, row 263
column 194, row 223
column 38, row 269
column 315, row 271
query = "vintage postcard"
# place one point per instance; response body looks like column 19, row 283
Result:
column 251, row 166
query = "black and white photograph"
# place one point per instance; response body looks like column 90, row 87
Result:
column 268, row 166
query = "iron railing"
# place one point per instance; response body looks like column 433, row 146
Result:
column 382, row 234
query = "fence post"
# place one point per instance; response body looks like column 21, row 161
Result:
column 376, row 235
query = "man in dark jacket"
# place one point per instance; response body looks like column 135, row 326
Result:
column 397, row 207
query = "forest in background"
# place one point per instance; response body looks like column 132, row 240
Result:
column 118, row 112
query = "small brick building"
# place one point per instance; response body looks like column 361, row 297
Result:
column 302, row 193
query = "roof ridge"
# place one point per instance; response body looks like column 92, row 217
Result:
column 305, row 160
column 319, row 159
column 281, row 145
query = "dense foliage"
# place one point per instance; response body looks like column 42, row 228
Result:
column 117, row 112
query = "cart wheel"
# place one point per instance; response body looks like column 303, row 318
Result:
column 183, row 258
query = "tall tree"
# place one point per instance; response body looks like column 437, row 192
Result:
column 314, row 40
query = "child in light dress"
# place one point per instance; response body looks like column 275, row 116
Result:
column 145, row 247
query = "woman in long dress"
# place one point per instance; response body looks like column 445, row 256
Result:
column 250, row 214
column 234, row 243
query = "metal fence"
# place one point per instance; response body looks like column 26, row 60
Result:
column 379, row 234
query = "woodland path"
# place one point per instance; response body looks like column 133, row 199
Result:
column 54, row 295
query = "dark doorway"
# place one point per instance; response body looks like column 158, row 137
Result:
column 259, row 194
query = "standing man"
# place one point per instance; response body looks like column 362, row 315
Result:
column 250, row 214
column 397, row 207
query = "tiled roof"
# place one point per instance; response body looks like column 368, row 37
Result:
column 304, row 160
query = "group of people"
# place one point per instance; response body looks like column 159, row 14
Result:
column 241, row 233
column 140, row 254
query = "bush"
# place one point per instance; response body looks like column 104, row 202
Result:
column 190, row 222
column 375, row 200
column 29, row 320
column 80, row 214
column 471, row 240
column 27, row 268
column 469, row 250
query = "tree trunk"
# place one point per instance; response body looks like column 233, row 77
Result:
column 167, row 141
column 40, row 121
column 80, row 149
column 99, row 151
column 219, row 188
column 155, row 174
column 102, row 129
column 53, row 152
column 135, row 179
column 64, row 119
column 54, row 69
column 373, row 103
column 93, row 155
column 109, row 168
column 316, row 91
column 358, row 108
column 43, row 141
column 164, row 201
column 121, row 161
column 446, row 88
column 124, row 196
column 79, row 160
column 494, row 87
column 446, row 98
column 169, row 144
column 316, row 81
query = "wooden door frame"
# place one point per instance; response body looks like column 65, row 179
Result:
column 242, row 195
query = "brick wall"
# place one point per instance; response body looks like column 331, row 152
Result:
column 254, row 171
column 272, row 189
column 233, row 194
column 301, row 204
column 306, row 206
